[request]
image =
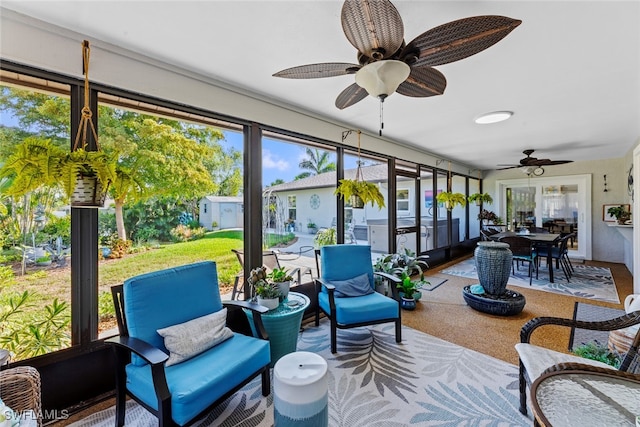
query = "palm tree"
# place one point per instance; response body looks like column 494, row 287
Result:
column 317, row 162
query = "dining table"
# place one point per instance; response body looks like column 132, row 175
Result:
column 539, row 239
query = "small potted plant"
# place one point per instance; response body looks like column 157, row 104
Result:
column 480, row 198
column 312, row 228
column 282, row 279
column 407, row 288
column 620, row 213
column 450, row 200
column 44, row 260
column 266, row 293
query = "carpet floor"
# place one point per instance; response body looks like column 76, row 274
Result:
column 587, row 281
column 373, row 381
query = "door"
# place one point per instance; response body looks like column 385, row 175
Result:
column 559, row 204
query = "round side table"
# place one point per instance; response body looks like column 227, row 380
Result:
column 283, row 324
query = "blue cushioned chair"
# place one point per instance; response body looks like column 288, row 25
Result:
column 344, row 262
column 180, row 393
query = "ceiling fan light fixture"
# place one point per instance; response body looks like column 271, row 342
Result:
column 381, row 78
column 493, row 117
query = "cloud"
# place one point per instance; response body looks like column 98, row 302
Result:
column 270, row 161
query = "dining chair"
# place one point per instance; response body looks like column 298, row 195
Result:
column 523, row 251
column 560, row 254
column 346, row 291
column 535, row 359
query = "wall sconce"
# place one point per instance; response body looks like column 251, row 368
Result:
column 605, row 184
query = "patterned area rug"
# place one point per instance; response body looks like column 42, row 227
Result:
column 591, row 313
column 587, row 281
column 373, row 381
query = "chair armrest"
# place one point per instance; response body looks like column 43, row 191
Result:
column 149, row 353
column 255, row 307
column 393, row 280
column 322, row 283
column 606, row 325
column 257, row 311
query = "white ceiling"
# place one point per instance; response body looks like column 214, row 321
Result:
column 570, row 71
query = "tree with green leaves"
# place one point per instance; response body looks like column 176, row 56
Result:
column 316, row 162
column 157, row 156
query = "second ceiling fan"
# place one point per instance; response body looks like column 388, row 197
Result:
column 386, row 64
column 533, row 162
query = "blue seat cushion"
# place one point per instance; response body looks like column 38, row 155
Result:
column 197, row 383
column 367, row 308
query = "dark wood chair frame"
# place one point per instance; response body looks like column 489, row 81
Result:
column 561, row 256
column 630, row 363
column 391, row 280
column 124, row 346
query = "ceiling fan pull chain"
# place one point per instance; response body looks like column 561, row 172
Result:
column 381, row 116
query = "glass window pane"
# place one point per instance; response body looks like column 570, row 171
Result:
column 178, row 199
column 35, row 237
column 368, row 225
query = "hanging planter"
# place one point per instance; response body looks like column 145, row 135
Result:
column 480, row 198
column 358, row 191
column 450, row 199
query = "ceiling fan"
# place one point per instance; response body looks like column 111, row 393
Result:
column 533, row 164
column 386, row 64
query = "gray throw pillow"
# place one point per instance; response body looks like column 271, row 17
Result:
column 191, row 338
column 354, row 287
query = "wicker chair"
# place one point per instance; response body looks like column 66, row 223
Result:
column 20, row 390
column 534, row 360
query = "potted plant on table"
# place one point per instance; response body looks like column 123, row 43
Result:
column 621, row 214
column 282, row 280
column 480, row 198
column 450, row 200
column 266, row 293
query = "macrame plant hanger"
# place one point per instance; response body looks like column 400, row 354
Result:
column 86, row 116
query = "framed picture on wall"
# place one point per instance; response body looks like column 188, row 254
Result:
column 607, row 217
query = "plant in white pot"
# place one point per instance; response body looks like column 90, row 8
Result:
column 37, row 163
column 266, row 293
column 282, row 279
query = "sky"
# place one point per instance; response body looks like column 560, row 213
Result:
column 280, row 160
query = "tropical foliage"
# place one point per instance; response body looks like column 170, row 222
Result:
column 367, row 191
column 450, row 200
column 316, row 162
column 480, row 198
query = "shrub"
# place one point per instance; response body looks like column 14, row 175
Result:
column 106, row 309
column 119, row 248
column 58, row 227
column 32, row 334
column 182, row 233
column 595, row 351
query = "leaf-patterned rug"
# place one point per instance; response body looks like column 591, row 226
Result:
column 586, row 282
column 373, row 381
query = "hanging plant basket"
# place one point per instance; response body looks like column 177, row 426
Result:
column 356, row 202
column 358, row 191
column 88, row 193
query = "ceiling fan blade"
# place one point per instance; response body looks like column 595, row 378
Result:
column 509, row 167
column 316, row 71
column 374, row 27
column 554, row 162
column 350, row 96
column 423, row 82
column 459, row 39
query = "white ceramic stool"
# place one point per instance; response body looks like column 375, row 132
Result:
column 300, row 390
